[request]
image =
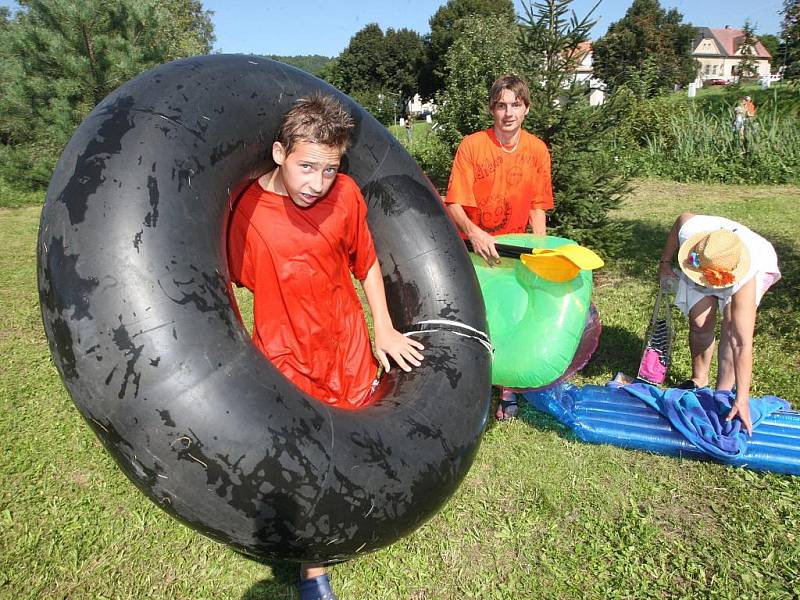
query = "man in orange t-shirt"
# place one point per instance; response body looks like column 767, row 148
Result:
column 500, row 181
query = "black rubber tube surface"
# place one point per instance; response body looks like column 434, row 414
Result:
column 136, row 304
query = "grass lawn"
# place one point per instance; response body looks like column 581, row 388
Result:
column 540, row 515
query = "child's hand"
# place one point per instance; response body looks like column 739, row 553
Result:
column 665, row 273
column 741, row 409
column 402, row 349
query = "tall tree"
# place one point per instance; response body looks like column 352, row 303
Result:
column 379, row 70
column 646, row 36
column 64, row 56
column 748, row 69
column 471, row 65
column 790, row 33
column 445, row 29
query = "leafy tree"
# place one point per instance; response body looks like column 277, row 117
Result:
column 790, row 33
column 63, row 56
column 748, row 68
column 646, row 31
column 445, row 29
column 471, row 66
column 379, row 70
column 374, row 60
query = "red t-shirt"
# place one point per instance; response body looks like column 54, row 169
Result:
column 498, row 189
column 307, row 317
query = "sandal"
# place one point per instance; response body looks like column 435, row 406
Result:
column 507, row 408
column 689, row 384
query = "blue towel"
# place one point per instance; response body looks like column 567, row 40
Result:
column 700, row 416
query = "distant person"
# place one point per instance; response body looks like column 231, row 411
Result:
column 409, row 128
column 727, row 267
column 501, row 183
column 749, row 107
column 739, row 116
column 296, row 236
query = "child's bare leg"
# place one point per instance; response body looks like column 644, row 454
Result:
column 311, row 570
column 726, row 375
column 702, row 319
column 314, row 583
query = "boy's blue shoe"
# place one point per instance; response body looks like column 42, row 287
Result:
column 316, row 588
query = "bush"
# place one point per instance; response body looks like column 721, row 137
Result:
column 433, row 155
column 678, row 138
column 699, row 146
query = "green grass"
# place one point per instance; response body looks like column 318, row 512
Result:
column 540, row 515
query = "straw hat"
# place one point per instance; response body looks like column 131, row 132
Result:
column 714, row 259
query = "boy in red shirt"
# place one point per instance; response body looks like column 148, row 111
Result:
column 501, row 183
column 296, row 235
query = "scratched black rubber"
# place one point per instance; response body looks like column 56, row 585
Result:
column 136, row 303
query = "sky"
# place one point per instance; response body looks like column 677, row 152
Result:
column 325, row 27
column 290, row 27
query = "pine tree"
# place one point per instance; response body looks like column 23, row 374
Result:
column 748, row 69
column 61, row 57
column 586, row 179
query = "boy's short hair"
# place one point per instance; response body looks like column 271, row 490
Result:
column 509, row 82
column 318, row 119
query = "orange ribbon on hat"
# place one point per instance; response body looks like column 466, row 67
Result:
column 718, row 276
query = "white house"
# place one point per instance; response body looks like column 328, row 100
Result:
column 584, row 73
column 719, row 52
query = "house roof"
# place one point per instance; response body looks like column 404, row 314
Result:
column 728, row 40
column 581, row 54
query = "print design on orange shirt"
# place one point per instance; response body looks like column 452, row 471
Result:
column 495, row 213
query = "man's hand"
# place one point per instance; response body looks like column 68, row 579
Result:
column 483, row 245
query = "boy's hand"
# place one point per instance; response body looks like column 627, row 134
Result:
column 404, row 350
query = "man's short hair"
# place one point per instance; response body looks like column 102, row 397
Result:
column 318, row 119
column 509, row 82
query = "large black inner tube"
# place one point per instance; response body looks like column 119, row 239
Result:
column 136, row 304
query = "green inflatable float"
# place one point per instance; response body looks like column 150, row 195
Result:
column 537, row 308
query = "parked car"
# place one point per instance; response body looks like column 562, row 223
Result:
column 717, row 81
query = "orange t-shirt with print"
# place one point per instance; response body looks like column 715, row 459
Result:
column 307, row 318
column 498, row 188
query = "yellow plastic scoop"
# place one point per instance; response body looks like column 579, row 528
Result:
column 553, row 264
column 562, row 263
